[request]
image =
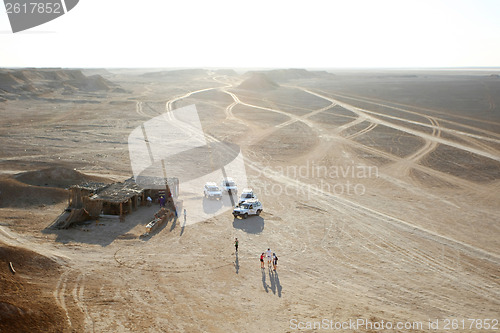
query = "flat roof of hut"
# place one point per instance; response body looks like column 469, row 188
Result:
column 118, row 192
column 90, row 186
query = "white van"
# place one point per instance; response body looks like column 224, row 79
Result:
column 246, row 194
column 212, row 191
column 249, row 207
column 228, row 184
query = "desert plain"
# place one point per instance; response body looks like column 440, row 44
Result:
column 381, row 195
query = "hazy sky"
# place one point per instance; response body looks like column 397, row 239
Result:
column 271, row 33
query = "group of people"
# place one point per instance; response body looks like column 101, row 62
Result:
column 272, row 258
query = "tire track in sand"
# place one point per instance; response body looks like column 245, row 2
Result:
column 59, row 294
column 363, row 131
column 78, row 297
column 378, row 103
column 416, row 258
column 401, row 169
column 424, row 136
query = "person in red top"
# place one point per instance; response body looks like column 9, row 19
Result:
column 262, row 260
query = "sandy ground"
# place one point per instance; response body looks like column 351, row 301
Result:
column 380, row 199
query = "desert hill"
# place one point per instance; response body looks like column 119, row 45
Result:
column 31, row 83
column 41, row 187
column 284, row 75
column 99, row 71
column 26, row 303
column 175, row 73
column 228, row 72
column 258, row 82
column 14, row 193
column 57, row 177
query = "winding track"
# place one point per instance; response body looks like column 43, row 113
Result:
column 363, row 131
column 425, row 136
column 343, row 202
column 408, row 111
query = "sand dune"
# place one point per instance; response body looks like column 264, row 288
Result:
column 31, row 307
column 258, row 82
column 35, row 82
column 285, row 75
column 57, row 177
column 16, row 194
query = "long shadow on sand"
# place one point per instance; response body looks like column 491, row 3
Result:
column 183, row 226
column 237, row 264
column 251, row 225
column 275, row 285
column 275, row 282
column 264, row 283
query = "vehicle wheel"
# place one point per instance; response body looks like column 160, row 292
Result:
column 245, row 216
column 258, row 212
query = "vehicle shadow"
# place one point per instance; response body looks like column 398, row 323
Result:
column 251, row 225
column 211, row 206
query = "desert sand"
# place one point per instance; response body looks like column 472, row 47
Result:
column 380, row 190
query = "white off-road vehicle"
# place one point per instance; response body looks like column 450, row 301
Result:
column 246, row 194
column 228, row 185
column 212, row 191
column 249, row 207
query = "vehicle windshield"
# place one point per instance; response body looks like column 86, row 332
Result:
column 246, row 195
column 230, row 184
column 213, row 188
column 246, row 206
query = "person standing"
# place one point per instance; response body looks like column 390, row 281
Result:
column 236, row 244
column 275, row 261
column 262, row 260
column 185, row 214
column 269, row 257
